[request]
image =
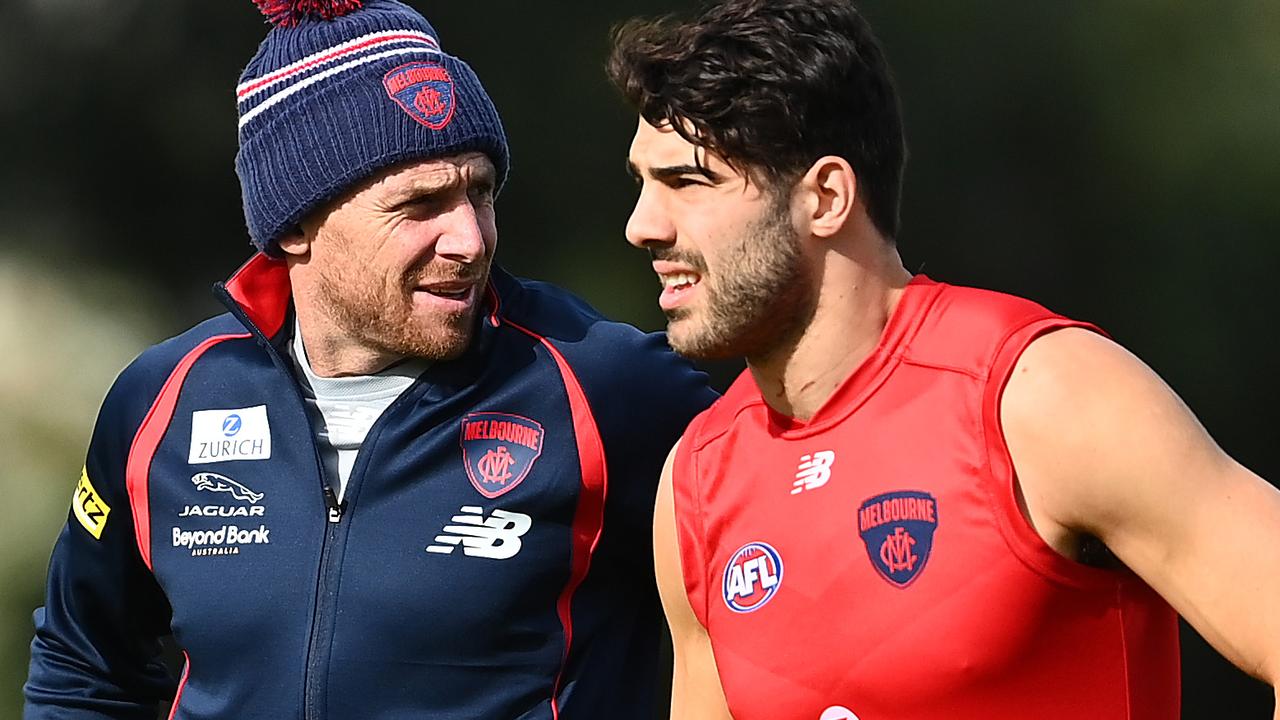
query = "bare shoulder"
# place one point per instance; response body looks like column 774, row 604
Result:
column 696, row 692
column 666, row 546
column 1103, row 446
column 1094, row 433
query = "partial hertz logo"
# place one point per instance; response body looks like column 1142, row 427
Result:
column 751, row 577
column 215, row 483
column 814, row 471
column 496, row 537
column 223, row 541
column 897, row 529
column 88, row 506
column 223, row 435
column 499, row 450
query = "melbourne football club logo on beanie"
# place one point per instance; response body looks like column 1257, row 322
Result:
column 340, row 90
column 424, row 90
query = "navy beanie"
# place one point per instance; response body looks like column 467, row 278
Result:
column 340, row 90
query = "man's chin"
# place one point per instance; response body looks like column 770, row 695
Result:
column 696, row 343
column 439, row 339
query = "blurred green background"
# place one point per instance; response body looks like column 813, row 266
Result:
column 1116, row 161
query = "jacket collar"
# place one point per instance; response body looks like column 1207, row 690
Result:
column 261, row 291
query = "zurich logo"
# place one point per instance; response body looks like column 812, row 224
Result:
column 499, row 450
column 897, row 529
column 424, row 90
column 231, row 426
column 751, row 577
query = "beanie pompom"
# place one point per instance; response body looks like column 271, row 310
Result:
column 287, row 13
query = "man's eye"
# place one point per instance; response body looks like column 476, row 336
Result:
column 422, row 201
column 684, row 182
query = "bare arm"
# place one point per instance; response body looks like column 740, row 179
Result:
column 696, row 693
column 1103, row 447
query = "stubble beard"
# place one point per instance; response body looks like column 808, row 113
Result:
column 380, row 315
column 759, row 301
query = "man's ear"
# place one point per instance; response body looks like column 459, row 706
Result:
column 296, row 243
column 830, row 191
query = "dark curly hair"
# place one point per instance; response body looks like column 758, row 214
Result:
column 771, row 86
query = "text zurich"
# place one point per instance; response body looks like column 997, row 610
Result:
column 229, row 449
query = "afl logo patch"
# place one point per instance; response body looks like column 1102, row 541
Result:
column 752, row 577
column 499, row 450
column 897, row 529
column 424, row 90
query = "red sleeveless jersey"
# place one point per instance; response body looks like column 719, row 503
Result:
column 873, row 563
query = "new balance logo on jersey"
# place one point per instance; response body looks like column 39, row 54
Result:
column 496, row 537
column 814, row 471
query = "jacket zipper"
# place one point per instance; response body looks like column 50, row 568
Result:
column 313, row 674
column 321, row 630
column 322, row 621
column 334, row 511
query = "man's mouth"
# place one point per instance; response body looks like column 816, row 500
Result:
column 679, row 281
column 451, row 290
column 454, row 295
column 678, row 288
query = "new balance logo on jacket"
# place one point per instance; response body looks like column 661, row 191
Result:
column 496, row 537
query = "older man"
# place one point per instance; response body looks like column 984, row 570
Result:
column 392, row 480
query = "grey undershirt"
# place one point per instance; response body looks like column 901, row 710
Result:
column 343, row 409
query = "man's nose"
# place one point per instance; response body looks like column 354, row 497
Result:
column 649, row 223
column 461, row 238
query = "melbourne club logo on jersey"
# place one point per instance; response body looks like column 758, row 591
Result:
column 499, row 450
column 752, row 577
column 897, row 528
column 424, row 90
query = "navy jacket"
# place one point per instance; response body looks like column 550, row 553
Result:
column 491, row 558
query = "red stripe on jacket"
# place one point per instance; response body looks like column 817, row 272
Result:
column 588, row 517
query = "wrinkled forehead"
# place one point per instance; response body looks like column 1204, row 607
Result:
column 435, row 174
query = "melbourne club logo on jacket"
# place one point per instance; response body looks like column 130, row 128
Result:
column 897, row 528
column 424, row 90
column 499, row 450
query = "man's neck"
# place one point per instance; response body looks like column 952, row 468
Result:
column 855, row 302
column 331, row 353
